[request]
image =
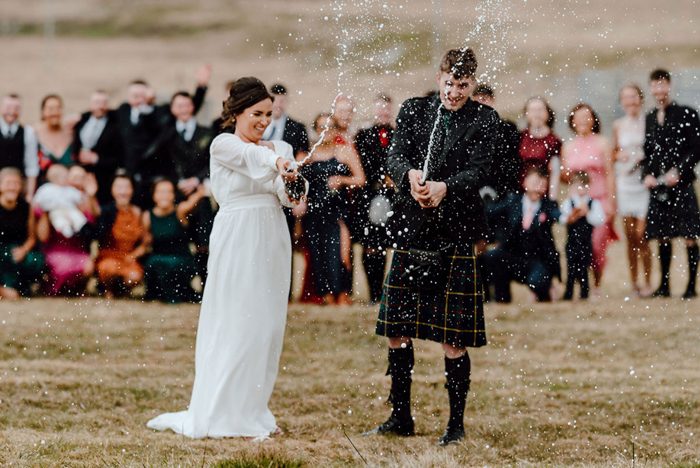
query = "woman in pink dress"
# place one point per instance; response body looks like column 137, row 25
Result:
column 593, row 153
column 68, row 258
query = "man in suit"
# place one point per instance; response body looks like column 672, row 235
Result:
column 504, row 179
column 527, row 254
column 440, row 157
column 369, row 230
column 18, row 144
column 98, row 145
column 139, row 130
column 181, row 154
column 671, row 152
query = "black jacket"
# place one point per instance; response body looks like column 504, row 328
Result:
column 537, row 242
column 137, row 138
column 674, row 144
column 295, row 134
column 174, row 158
column 464, row 165
column 109, row 149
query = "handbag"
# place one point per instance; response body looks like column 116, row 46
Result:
column 426, row 269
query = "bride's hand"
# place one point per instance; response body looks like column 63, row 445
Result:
column 286, row 170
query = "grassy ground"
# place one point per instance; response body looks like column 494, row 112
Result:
column 579, row 384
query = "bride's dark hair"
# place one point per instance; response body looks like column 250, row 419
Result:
column 244, row 93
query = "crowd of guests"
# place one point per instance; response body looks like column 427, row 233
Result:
column 123, row 195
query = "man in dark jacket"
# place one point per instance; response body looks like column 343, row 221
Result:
column 439, row 159
column 527, row 254
column 181, row 154
column 98, row 145
column 671, row 152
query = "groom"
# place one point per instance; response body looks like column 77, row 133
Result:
column 434, row 291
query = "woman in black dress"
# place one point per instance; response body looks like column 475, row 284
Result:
column 330, row 171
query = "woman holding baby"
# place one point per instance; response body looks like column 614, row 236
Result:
column 59, row 228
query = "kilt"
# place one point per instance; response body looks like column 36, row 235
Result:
column 673, row 213
column 454, row 315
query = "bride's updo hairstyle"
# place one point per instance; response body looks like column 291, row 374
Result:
column 245, row 92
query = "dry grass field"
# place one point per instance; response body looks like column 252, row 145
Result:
column 563, row 384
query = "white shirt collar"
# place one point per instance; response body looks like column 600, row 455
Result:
column 275, row 131
column 527, row 204
column 7, row 129
column 188, row 127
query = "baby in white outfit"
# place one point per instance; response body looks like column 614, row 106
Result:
column 61, row 201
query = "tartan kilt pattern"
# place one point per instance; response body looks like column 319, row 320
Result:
column 454, row 316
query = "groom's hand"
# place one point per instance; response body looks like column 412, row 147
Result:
column 414, row 177
column 433, row 194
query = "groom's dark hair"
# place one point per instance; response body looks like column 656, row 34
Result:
column 460, row 63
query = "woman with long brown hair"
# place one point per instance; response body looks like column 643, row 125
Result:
column 244, row 307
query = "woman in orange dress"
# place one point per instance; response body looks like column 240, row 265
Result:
column 121, row 236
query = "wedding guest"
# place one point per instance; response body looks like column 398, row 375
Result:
column 632, row 194
column 503, row 181
column 18, row 144
column 98, row 145
column 372, row 202
column 671, row 152
column 527, row 254
column 21, row 265
column 122, row 241
column 68, row 260
column 170, row 267
column 333, row 168
column 539, row 146
column 181, row 154
column 139, row 130
column 591, row 152
column 580, row 214
column 344, row 113
column 55, row 137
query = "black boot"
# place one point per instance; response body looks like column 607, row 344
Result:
column 665, row 253
column 693, row 259
column 457, row 372
column 400, row 422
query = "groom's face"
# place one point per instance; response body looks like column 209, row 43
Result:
column 453, row 92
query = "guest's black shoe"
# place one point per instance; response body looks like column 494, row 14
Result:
column 662, row 292
column 451, row 436
column 689, row 294
column 394, row 425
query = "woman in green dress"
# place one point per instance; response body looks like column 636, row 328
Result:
column 170, row 268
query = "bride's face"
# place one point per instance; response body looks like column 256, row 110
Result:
column 252, row 122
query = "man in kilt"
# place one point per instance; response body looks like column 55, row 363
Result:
column 433, row 290
column 671, row 152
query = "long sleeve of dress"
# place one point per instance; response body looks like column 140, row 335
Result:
column 257, row 162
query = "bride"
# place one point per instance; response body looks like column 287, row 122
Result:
column 244, row 307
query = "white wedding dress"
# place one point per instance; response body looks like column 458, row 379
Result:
column 244, row 307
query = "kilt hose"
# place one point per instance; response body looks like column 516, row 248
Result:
column 454, row 315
